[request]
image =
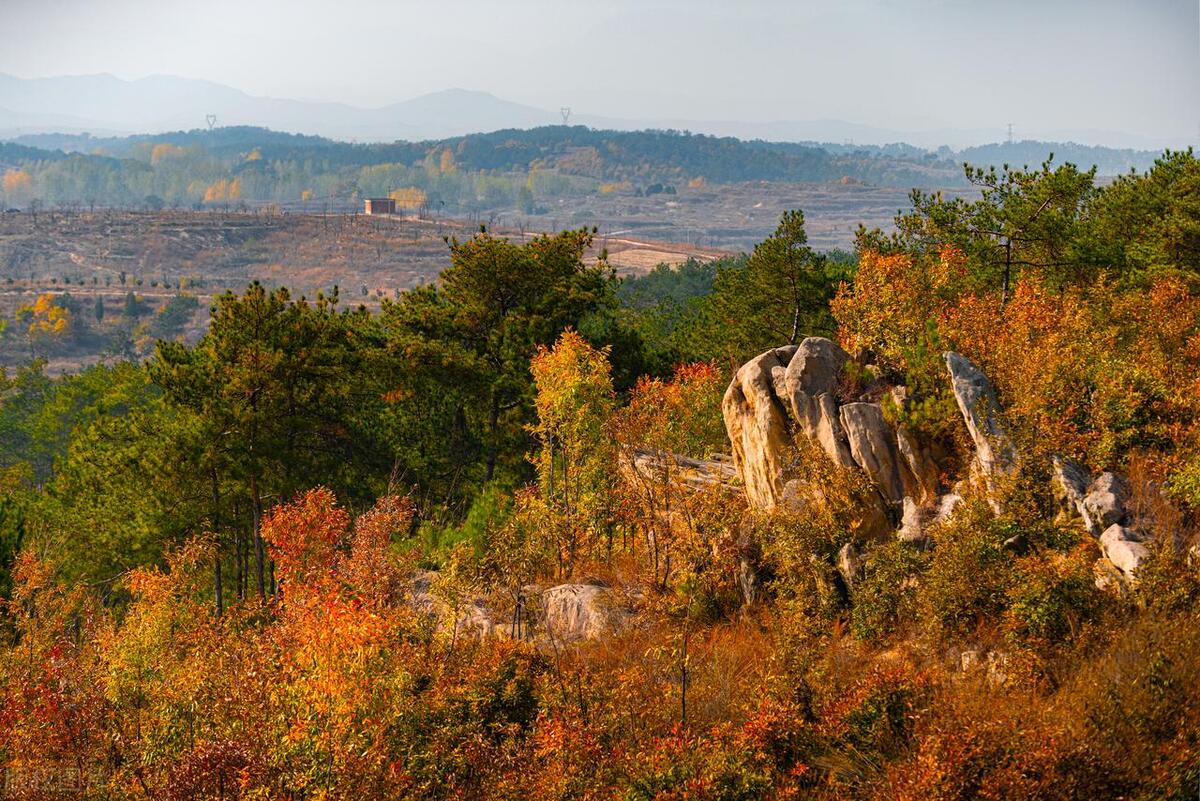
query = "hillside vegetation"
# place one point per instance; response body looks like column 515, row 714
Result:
column 916, row 522
column 511, row 168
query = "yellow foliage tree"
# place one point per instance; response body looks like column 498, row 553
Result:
column 574, row 401
column 217, row 191
column 163, row 151
column 223, row 190
column 44, row 319
column 17, row 185
column 446, row 164
column 409, row 197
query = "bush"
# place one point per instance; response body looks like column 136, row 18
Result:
column 886, row 595
column 969, row 573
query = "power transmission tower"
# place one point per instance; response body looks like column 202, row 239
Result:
column 566, row 113
column 1010, row 133
column 211, row 119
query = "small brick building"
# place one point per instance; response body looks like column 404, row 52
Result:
column 379, row 205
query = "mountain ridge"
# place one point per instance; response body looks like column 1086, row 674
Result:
column 161, row 103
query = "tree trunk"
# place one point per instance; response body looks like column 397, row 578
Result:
column 259, row 551
column 493, row 427
column 218, row 590
column 1007, row 273
column 239, row 577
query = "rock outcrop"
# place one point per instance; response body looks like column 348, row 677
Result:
column 1104, row 504
column 792, row 392
column 873, row 446
column 1124, row 548
column 1069, row 484
column 976, row 400
column 1100, row 507
column 576, row 612
column 810, row 383
column 757, row 424
column 681, row 472
column 469, row 617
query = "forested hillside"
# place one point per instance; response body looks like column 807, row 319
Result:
column 509, row 168
column 915, row 522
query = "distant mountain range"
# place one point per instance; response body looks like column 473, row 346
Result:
column 105, row 105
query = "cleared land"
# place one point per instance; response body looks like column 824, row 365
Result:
column 100, row 257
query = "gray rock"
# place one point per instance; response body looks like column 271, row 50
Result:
column 1070, row 486
column 912, row 524
column 811, row 382
column 873, row 446
column 1124, row 549
column 460, row 617
column 1104, row 505
column 816, row 367
column 849, row 564
column 977, row 401
column 946, row 507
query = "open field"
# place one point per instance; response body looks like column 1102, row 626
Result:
column 100, row 257
column 734, row 217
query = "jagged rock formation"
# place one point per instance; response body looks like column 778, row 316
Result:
column 789, row 392
column 1069, row 484
column 757, row 424
column 1097, row 503
column 1105, row 502
column 792, row 392
column 873, row 446
column 810, row 384
column 1101, row 507
column 976, row 400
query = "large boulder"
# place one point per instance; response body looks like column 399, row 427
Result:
column 976, row 400
column 810, row 383
column 757, row 424
column 873, row 446
column 1104, row 504
column 1124, row 548
column 1069, row 483
column 453, row 617
column 574, row 612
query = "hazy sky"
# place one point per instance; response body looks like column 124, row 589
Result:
column 1124, row 65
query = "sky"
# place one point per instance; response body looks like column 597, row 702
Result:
column 1044, row 65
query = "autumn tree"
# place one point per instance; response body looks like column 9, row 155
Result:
column 574, row 461
column 45, row 321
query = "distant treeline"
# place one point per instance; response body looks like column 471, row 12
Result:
column 504, row 169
